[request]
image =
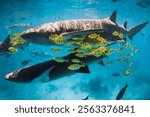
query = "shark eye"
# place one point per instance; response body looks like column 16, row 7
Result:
column 115, row 33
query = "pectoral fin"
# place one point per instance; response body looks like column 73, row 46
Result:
column 46, row 78
column 101, row 63
column 83, row 70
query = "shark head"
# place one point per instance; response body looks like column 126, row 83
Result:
column 17, row 76
column 12, row 76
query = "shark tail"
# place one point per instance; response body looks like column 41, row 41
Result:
column 134, row 30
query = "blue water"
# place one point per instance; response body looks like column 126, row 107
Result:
column 99, row 84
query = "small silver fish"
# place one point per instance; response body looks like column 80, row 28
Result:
column 19, row 26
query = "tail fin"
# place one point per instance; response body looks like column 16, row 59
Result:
column 134, row 30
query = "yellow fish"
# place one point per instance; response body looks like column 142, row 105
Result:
column 99, row 51
column 134, row 47
column 136, row 51
column 131, row 64
column 80, row 50
column 129, row 55
column 81, row 55
column 76, row 60
column 110, row 51
column 88, row 51
column 128, row 72
column 71, row 51
column 101, row 39
column 16, row 35
column 12, row 49
column 96, row 45
column 121, row 41
column 128, row 45
column 14, row 39
column 59, row 59
column 53, row 36
column 103, row 49
column 118, row 61
column 75, row 66
column 115, row 33
column 92, row 36
column 121, row 35
column 86, row 45
column 59, row 40
column 17, row 41
column 56, row 50
column 70, row 42
column 79, row 42
column 120, row 50
column 76, row 38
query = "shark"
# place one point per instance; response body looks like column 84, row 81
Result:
column 53, row 69
column 71, row 28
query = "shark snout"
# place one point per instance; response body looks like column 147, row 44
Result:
column 9, row 76
column 13, row 76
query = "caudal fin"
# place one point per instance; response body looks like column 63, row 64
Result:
column 134, row 30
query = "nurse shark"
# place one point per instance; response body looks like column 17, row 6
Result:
column 70, row 28
column 51, row 70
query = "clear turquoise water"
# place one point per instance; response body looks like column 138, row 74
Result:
column 99, row 84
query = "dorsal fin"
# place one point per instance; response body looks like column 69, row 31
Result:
column 113, row 16
column 125, row 25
